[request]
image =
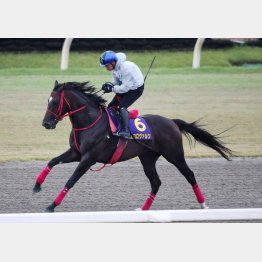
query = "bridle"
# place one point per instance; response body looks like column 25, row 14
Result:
column 59, row 116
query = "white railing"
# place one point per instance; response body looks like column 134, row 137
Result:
column 197, row 52
column 65, row 53
column 68, row 41
column 197, row 215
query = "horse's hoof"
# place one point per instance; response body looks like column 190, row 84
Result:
column 204, row 206
column 37, row 188
column 51, row 208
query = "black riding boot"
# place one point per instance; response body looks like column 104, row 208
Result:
column 125, row 133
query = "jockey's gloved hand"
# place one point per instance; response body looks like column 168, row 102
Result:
column 107, row 87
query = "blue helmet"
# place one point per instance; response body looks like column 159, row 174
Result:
column 107, row 58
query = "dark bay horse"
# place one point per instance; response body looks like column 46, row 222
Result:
column 91, row 140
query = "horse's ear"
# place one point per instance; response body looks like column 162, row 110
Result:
column 56, row 83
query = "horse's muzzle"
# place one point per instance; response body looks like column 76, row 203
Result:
column 49, row 125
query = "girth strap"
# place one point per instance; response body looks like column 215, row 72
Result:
column 121, row 145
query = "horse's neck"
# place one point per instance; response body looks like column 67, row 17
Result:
column 85, row 117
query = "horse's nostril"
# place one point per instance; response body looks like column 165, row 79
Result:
column 46, row 125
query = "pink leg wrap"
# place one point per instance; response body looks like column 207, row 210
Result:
column 149, row 202
column 199, row 195
column 61, row 196
column 41, row 177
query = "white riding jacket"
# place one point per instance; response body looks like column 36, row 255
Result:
column 126, row 75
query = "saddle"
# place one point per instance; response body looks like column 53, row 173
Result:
column 138, row 126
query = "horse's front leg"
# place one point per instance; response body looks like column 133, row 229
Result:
column 67, row 157
column 81, row 169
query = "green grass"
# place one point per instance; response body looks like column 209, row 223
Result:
column 165, row 59
column 223, row 95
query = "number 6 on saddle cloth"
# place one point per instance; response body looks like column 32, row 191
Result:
column 138, row 126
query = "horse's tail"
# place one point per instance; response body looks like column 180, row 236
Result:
column 204, row 137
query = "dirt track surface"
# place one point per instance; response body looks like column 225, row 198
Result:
column 235, row 184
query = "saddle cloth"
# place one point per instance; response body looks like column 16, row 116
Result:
column 138, row 126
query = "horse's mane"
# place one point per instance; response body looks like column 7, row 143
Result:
column 85, row 88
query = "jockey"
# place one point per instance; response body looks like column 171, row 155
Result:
column 127, row 83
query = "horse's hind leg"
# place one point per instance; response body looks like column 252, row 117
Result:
column 148, row 161
column 190, row 177
column 179, row 161
column 67, row 157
